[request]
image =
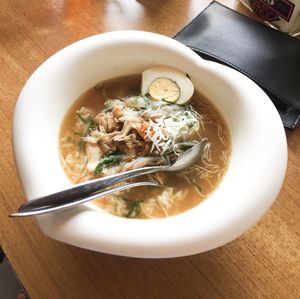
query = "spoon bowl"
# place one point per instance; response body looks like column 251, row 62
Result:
column 189, row 157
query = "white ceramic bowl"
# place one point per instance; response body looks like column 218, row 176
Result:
column 252, row 182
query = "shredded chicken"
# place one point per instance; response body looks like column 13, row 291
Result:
column 93, row 153
column 136, row 127
column 107, row 121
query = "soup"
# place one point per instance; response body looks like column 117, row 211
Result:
column 111, row 129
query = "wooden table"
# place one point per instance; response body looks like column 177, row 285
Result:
column 263, row 263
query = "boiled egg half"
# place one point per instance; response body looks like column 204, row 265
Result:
column 167, row 84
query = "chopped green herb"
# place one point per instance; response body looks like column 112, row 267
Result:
column 80, row 144
column 193, row 183
column 91, row 125
column 168, row 149
column 146, row 98
column 190, row 124
column 109, row 159
column 134, row 208
column 185, row 146
column 82, row 119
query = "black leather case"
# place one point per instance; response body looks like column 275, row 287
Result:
column 269, row 57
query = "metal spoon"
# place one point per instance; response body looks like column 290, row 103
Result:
column 46, row 204
column 97, row 188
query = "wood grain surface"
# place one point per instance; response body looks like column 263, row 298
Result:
column 263, row 263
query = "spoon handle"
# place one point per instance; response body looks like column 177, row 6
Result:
column 43, row 205
column 89, row 187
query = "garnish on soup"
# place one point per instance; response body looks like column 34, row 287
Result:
column 113, row 128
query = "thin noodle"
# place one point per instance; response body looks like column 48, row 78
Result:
column 162, row 207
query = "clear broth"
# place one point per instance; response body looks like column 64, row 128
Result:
column 185, row 194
